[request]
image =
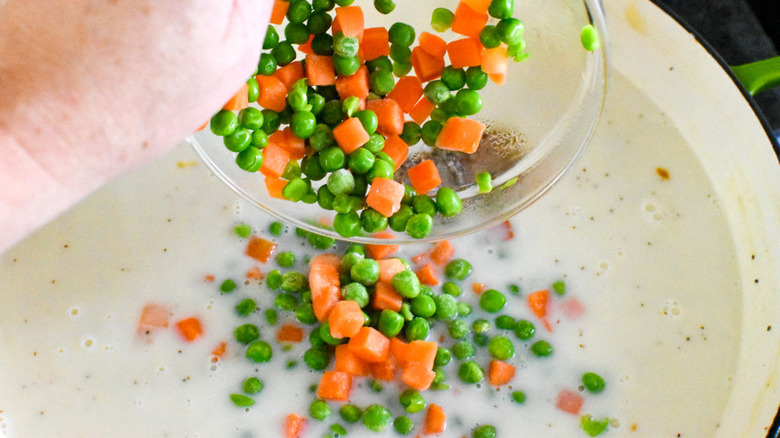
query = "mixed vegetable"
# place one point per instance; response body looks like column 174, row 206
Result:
column 335, row 127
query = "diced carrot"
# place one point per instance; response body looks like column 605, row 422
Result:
column 572, row 308
column 274, row 186
column 442, row 252
column 218, row 351
column 350, row 20
column 190, row 329
column 350, row 134
column 209, row 278
column 348, row 362
column 424, row 176
column 239, row 101
column 324, row 285
column 370, row 345
column 279, row 11
column 422, row 352
column 385, row 196
column 353, row 85
column 259, row 249
column 388, row 268
column 537, row 302
column 154, row 316
column 273, row 93
column 389, row 114
column 500, row 373
column 427, row 67
column 376, row 43
column 417, row 376
column 398, row 351
column 432, row 44
column 305, row 48
column 379, row 251
column 254, row 273
column 319, row 70
column 407, row 92
column 506, row 226
column 494, row 61
column 418, row 258
column 295, row 145
column 206, row 123
column 569, row 401
column 480, row 6
column 465, row 52
column 498, row 78
column 275, row 160
column 289, row 73
column 326, row 259
column 396, row 149
column 385, row 297
column 421, row 111
column 335, row 386
column 460, row 134
column 289, row 333
column 435, row 420
column 383, row 370
column 277, row 137
column 427, row 275
column 478, row 288
column 345, row 319
column 467, row 21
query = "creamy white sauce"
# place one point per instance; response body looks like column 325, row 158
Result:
column 652, row 260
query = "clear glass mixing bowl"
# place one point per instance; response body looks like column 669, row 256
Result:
column 537, row 124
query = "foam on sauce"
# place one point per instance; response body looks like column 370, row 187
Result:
column 650, row 258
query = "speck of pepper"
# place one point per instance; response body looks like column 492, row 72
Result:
column 663, row 173
column 768, row 328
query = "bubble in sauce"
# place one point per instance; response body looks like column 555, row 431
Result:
column 671, row 308
column 74, row 311
column 88, row 342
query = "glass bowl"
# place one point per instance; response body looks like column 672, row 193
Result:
column 538, row 122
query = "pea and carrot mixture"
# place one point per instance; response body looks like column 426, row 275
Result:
column 371, row 325
column 339, row 104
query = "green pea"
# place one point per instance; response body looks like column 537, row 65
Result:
column 295, row 189
column 322, row 5
column 501, row 8
column 303, row 124
column 484, row 431
column 489, row 37
column 319, row 22
column 390, row 323
column 458, row 329
column 541, row 348
column 593, row 382
column 273, row 280
column 505, row 322
column 436, row 92
column 470, row 372
column 423, row 306
column 524, row 329
column 476, row 79
column 484, row 182
column 409, row 195
column 463, row 350
column 361, row 187
column 284, row 53
column 252, row 385
column 446, row 307
column 419, row 225
column 451, row 288
column 559, row 287
column 593, row 427
column 346, row 65
column 322, row 45
column 589, row 37
column 241, row 400
column 453, row 78
column 347, row 224
column 375, row 143
column 417, row 329
column 400, row 53
column 401, row 69
column 464, row 309
column 271, row 316
column 380, row 169
column 271, row 121
column 458, row 269
column 266, row 65
column 403, row 424
column 365, row 271
column 245, row 307
column 341, row 182
column 481, row 326
column 332, row 159
column 227, row 286
column 406, row 284
column 271, row 38
column 384, row 7
column 350, row 413
column 356, row 292
column 259, row 139
column 296, row 33
column 327, row 336
column 469, row 102
column 412, row 401
column 319, row 241
column 501, row 348
column 325, row 198
column 441, row 19
column 286, row 301
column 448, row 202
column 381, row 81
column 304, row 313
column 317, row 358
column 411, row 133
column 492, row 301
column 345, row 46
column 253, row 90
column 510, row 31
column 376, row 418
column 259, row 351
column 401, row 33
column 223, row 123
column 285, row 259
column 321, row 138
column 347, row 204
column 294, row 282
column 372, row 221
column 398, row 220
column 319, row 410
column 518, row 397
column 430, row 132
column 298, row 11
column 246, row 333
column 250, row 159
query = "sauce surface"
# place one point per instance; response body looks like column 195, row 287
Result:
column 648, row 253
